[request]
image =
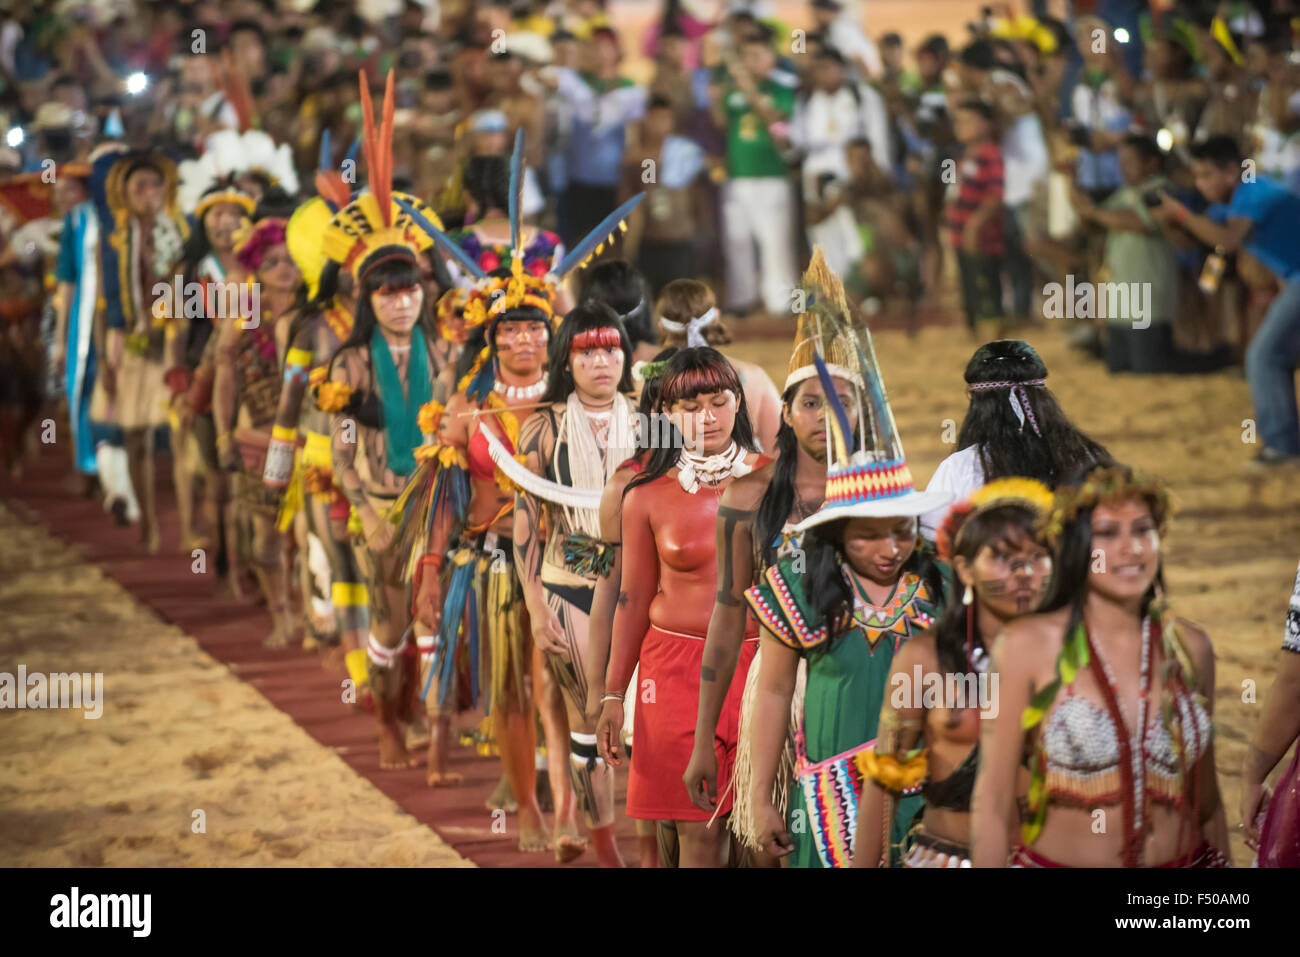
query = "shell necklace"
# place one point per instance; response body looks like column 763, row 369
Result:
column 692, row 469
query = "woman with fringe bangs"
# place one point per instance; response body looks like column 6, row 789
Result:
column 1111, row 697
column 669, row 514
column 989, row 542
column 571, row 447
column 605, row 596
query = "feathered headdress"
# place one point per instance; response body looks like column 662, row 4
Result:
column 832, row 339
column 307, row 226
column 871, row 482
column 228, row 155
column 491, row 297
column 379, row 219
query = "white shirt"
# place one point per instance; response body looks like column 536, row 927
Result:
column 825, row 123
column 846, row 36
column 1025, row 163
column 960, row 475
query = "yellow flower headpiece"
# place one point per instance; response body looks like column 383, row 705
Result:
column 494, row 296
column 1105, row 484
column 1015, row 490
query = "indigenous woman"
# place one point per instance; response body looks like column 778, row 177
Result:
column 669, row 513
column 756, row 527
column 583, row 432
column 1110, row 695
column 323, row 320
column 989, row 542
column 1014, row 426
column 377, row 381
column 488, row 241
column 688, row 315
column 76, row 351
column 461, row 495
column 617, row 284
column 143, row 234
column 605, row 595
column 245, row 396
column 469, row 504
column 1272, row 824
column 869, row 587
column 219, row 210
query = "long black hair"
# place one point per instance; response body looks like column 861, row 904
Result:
column 306, row 307
column 828, row 587
column 1012, row 523
column 398, row 272
column 649, row 404
column 487, row 180
column 1006, row 447
column 591, row 315
column 693, row 372
column 774, row 508
column 618, row 285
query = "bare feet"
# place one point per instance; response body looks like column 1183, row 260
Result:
column 443, row 779
column 417, row 733
column 309, row 642
column 149, row 537
column 604, row 843
column 278, row 638
column 533, row 840
column 331, row 659
column 393, row 755
column 569, row 846
column 501, row 799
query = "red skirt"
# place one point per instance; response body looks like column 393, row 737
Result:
column 663, row 729
column 1207, row 855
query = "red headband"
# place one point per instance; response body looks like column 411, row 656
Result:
column 605, row 337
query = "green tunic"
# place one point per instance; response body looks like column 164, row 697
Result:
column 847, row 678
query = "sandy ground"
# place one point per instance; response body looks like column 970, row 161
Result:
column 179, row 734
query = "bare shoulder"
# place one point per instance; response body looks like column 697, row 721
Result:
column 1197, row 641
column 1033, row 640
column 921, row 650
column 747, row 491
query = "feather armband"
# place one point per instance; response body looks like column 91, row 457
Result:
column 892, row 774
column 585, row 555
column 448, row 456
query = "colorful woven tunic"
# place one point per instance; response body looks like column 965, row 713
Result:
column 847, row 678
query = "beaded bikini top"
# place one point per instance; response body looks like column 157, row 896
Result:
column 1083, row 753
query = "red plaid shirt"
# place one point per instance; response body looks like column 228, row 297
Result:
column 979, row 177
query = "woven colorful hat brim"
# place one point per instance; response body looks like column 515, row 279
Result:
column 873, row 490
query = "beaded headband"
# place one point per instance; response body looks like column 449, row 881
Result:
column 1019, row 399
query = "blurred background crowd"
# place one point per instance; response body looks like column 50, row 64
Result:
column 949, row 173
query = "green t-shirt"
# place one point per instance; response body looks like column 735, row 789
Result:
column 1141, row 264
column 750, row 149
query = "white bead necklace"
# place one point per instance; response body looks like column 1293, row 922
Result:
column 693, row 469
column 515, row 394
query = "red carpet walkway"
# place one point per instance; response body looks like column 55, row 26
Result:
column 290, row 679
